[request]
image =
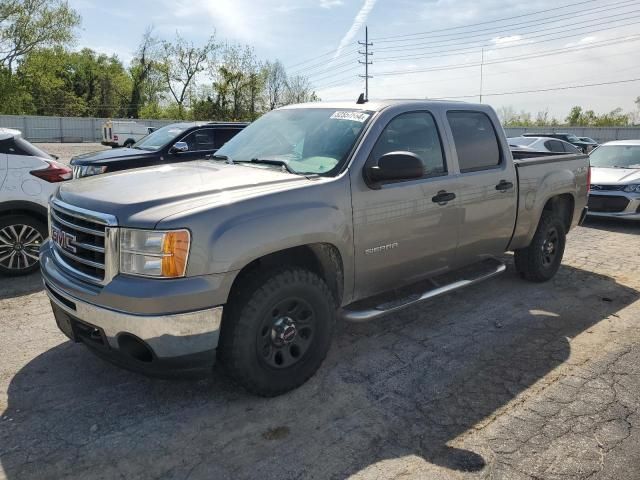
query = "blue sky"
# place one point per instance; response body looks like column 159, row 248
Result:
column 596, row 38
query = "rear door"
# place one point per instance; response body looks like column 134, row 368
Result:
column 400, row 233
column 3, row 163
column 486, row 185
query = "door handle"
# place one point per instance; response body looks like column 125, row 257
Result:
column 442, row 197
column 503, row 186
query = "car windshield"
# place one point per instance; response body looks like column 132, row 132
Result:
column 616, row 156
column 161, row 137
column 587, row 140
column 572, row 138
column 306, row 140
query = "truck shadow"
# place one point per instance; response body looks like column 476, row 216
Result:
column 408, row 385
column 11, row 287
column 613, row 225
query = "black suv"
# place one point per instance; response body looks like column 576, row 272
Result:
column 584, row 147
column 178, row 142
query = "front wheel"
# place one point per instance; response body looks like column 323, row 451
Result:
column 540, row 261
column 277, row 330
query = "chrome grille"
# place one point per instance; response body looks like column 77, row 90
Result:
column 84, row 242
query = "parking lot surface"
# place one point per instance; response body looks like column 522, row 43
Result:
column 503, row 380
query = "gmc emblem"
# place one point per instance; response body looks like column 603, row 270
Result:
column 63, row 239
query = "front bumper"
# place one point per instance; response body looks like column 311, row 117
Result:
column 601, row 201
column 164, row 342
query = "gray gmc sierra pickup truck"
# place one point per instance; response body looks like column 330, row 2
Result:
column 311, row 212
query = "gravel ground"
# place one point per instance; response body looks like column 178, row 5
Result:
column 67, row 150
column 503, row 380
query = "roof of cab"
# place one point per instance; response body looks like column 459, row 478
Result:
column 6, row 133
column 376, row 105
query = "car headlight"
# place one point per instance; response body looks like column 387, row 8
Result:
column 634, row 188
column 154, row 253
column 88, row 170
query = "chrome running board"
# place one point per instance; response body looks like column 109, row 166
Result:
column 384, row 304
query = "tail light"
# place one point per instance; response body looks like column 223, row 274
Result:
column 55, row 172
column 115, row 138
column 589, row 180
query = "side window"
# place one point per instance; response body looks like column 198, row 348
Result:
column 555, row 146
column 414, row 132
column 200, row 140
column 9, row 146
column 475, row 140
column 223, row 135
column 569, row 148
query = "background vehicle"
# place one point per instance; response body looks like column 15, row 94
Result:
column 160, row 147
column 119, row 133
column 543, row 144
column 567, row 137
column 592, row 144
column 615, row 180
column 28, row 177
column 312, row 208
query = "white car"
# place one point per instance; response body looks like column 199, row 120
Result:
column 118, row 133
column 543, row 144
column 28, row 177
column 615, row 180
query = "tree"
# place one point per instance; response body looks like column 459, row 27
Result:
column 299, row 90
column 145, row 76
column 180, row 62
column 275, row 83
column 26, row 25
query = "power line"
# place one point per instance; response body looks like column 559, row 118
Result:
column 540, row 90
column 380, row 39
column 541, row 35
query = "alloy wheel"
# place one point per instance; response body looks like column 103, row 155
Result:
column 19, row 246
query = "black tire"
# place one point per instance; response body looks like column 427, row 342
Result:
column 540, row 261
column 20, row 239
column 257, row 324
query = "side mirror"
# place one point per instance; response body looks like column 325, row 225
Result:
column 396, row 166
column 180, row 147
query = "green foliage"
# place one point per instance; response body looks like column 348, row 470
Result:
column 615, row 118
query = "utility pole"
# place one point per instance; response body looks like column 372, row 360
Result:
column 366, row 62
column 481, row 73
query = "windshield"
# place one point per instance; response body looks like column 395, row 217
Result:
column 158, row 139
column 307, row 140
column 572, row 138
column 616, row 156
column 522, row 141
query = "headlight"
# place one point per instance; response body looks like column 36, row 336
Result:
column 88, row 170
column 635, row 188
column 154, row 253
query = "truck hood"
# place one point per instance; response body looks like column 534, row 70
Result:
column 612, row 176
column 105, row 157
column 143, row 197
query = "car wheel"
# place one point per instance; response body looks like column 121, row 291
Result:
column 540, row 261
column 20, row 239
column 277, row 330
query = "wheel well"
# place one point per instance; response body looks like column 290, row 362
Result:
column 323, row 259
column 562, row 206
column 19, row 208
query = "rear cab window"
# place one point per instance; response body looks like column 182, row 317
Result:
column 475, row 140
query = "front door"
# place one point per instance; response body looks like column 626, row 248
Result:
column 400, row 233
column 486, row 187
column 201, row 142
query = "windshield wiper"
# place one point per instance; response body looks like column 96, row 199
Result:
column 221, row 157
column 280, row 163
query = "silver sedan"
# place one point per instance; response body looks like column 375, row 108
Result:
column 615, row 180
column 542, row 144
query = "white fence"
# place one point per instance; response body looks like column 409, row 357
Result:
column 80, row 129
column 63, row 129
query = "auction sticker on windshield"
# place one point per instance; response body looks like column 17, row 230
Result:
column 353, row 116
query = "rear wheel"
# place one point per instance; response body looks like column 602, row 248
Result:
column 540, row 261
column 128, row 143
column 20, row 239
column 277, row 330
